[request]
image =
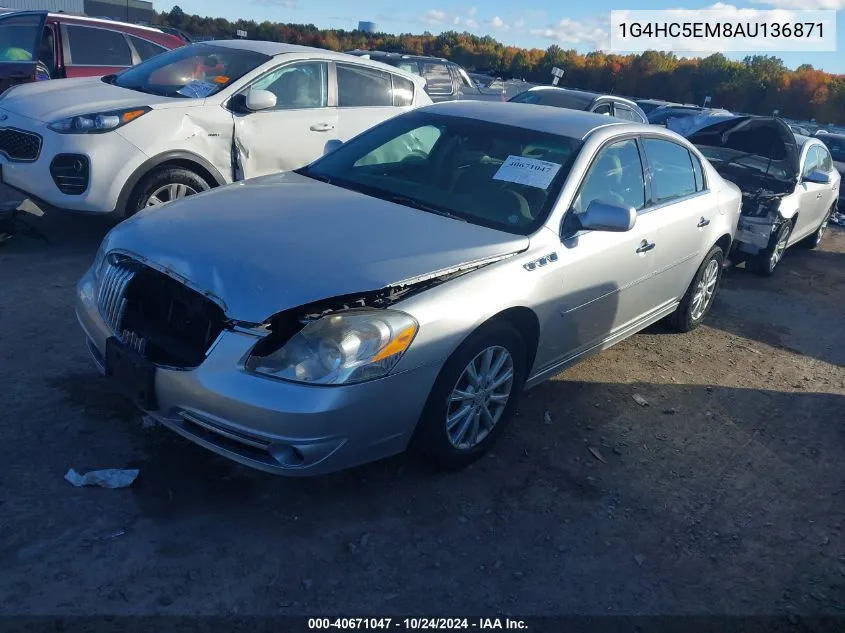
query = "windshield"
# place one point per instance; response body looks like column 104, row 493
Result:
column 556, row 98
column 648, row 106
column 498, row 176
column 836, row 145
column 194, row 71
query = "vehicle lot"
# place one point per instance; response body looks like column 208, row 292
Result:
column 724, row 495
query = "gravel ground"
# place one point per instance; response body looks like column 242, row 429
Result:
column 724, row 495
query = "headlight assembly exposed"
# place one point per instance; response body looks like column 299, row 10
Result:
column 341, row 348
column 98, row 122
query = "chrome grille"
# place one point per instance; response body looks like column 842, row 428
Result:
column 111, row 298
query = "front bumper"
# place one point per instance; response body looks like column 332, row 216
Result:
column 111, row 157
column 275, row 426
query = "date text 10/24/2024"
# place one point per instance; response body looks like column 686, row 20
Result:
column 416, row 624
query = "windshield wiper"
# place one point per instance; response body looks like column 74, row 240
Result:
column 422, row 206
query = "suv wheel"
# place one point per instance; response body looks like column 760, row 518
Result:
column 164, row 185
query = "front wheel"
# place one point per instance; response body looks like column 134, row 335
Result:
column 815, row 240
column 699, row 296
column 473, row 398
column 765, row 263
column 163, row 185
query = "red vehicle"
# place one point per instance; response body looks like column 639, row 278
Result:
column 37, row 45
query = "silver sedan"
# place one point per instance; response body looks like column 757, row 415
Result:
column 404, row 289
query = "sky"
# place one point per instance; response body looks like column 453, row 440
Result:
column 527, row 23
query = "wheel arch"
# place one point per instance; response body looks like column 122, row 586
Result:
column 526, row 323
column 176, row 158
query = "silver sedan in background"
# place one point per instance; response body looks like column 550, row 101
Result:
column 404, row 289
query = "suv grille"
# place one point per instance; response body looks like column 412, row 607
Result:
column 19, row 145
column 161, row 318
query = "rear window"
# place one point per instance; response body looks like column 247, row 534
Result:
column 438, row 79
column 555, row 98
column 146, row 48
column 91, row 46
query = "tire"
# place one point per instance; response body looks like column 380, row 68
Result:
column 431, row 438
column 690, row 313
column 765, row 263
column 815, row 240
column 182, row 180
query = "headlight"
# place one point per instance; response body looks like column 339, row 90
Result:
column 341, row 348
column 98, row 122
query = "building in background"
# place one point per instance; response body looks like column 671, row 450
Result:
column 135, row 11
column 367, row 27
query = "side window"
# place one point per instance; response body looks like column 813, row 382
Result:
column 18, row 34
column 145, row 48
column 297, row 86
column 615, row 177
column 358, row 86
column 97, row 47
column 403, row 91
column 603, row 108
column 437, row 78
column 624, row 112
column 414, row 145
column 409, row 67
column 698, row 172
column 811, row 162
column 826, row 161
column 672, row 171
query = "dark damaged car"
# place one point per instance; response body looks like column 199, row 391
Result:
column 789, row 183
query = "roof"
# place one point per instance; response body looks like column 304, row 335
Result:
column 359, row 52
column 85, row 18
column 587, row 96
column 549, row 119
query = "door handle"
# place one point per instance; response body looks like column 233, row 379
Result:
column 703, row 222
column 322, row 127
column 645, row 246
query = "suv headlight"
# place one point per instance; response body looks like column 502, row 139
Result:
column 98, row 122
column 341, row 348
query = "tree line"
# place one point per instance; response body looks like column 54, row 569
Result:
column 758, row 84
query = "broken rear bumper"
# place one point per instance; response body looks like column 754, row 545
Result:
column 275, row 426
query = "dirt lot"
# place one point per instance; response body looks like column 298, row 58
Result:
column 725, row 495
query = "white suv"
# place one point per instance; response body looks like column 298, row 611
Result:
column 193, row 118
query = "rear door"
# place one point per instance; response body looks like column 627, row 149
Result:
column 811, row 195
column 20, row 40
column 92, row 51
column 680, row 203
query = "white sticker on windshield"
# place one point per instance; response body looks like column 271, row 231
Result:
column 527, row 171
column 198, row 89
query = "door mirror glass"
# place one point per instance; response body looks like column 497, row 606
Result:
column 257, row 100
column 331, row 146
column 817, row 177
column 602, row 216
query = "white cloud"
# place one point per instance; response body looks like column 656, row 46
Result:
column 434, row 17
column 470, row 23
column 519, row 23
column 472, row 11
column 285, row 4
column 457, row 20
column 499, row 24
column 803, row 4
column 591, row 32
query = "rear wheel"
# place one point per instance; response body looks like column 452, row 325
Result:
column 473, row 398
column 699, row 296
column 764, row 263
column 164, row 185
column 815, row 240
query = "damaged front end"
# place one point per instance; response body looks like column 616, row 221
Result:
column 760, row 218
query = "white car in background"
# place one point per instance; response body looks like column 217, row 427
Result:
column 190, row 119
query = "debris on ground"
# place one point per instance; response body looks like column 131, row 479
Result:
column 670, row 411
column 597, row 454
column 108, row 478
column 640, row 400
column 547, row 417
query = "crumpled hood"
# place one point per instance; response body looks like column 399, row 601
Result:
column 49, row 101
column 281, row 241
column 768, row 137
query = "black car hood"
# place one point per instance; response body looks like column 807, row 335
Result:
column 767, row 137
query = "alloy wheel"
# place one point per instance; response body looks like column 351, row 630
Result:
column 780, row 247
column 479, row 397
column 705, row 290
column 169, row 193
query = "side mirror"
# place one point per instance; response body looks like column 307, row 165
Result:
column 331, row 146
column 257, row 100
column 817, row 177
column 602, row 216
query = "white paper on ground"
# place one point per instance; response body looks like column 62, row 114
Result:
column 109, row 478
column 527, row 171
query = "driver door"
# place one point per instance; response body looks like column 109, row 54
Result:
column 20, row 41
column 295, row 131
column 812, row 197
